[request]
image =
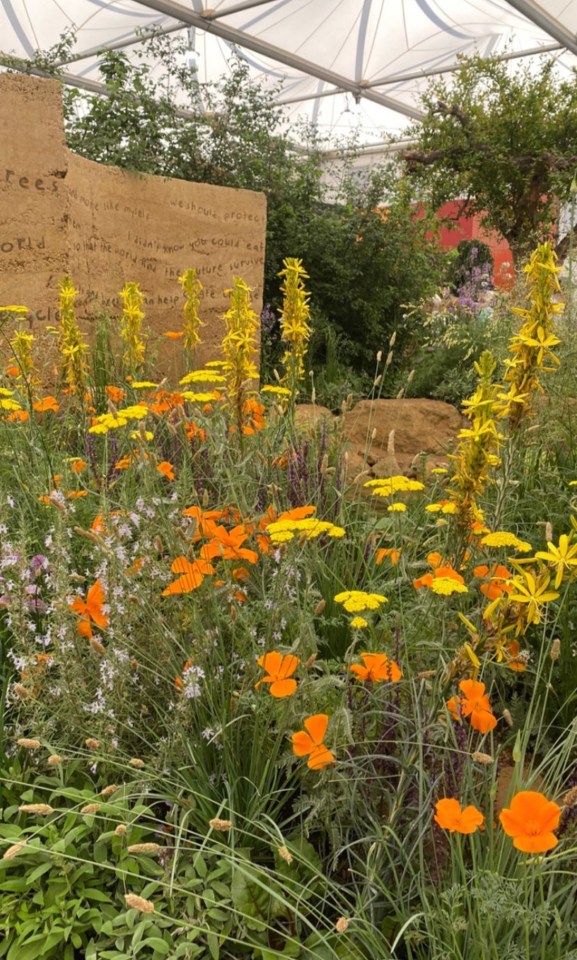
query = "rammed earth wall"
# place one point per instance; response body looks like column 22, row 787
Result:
column 60, row 213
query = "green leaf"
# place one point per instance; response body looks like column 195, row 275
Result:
column 199, row 865
column 213, row 945
column 159, row 946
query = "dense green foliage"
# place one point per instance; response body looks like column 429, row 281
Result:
column 502, row 138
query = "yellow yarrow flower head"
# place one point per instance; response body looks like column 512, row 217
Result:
column 192, row 289
column 359, row 623
column 202, row 376
column 355, row 601
column 387, row 486
column 397, row 507
column 503, row 538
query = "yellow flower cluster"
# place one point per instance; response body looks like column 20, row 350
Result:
column 202, row 376
column 294, row 322
column 532, row 346
column 70, row 343
column 281, row 531
column 111, row 421
column 131, row 326
column 355, row 601
column 192, row 289
column 503, row 538
column 239, row 347
column 477, row 453
column 386, row 486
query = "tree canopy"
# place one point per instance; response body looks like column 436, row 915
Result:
column 504, row 140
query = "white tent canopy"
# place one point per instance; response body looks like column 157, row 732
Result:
column 342, row 64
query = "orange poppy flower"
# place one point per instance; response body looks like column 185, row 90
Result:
column 12, row 371
column 124, row 463
column 90, row 610
column 227, row 544
column 530, row 821
column 76, row 494
column 45, row 404
column 310, row 742
column 450, row 816
column 18, row 416
column 192, row 575
column 297, row 513
column 496, row 578
column 115, row 394
column 376, row 666
column 78, row 465
column 135, row 567
column 278, row 668
column 194, row 432
column 473, row 704
column 166, row 469
column 516, row 663
column 174, row 334
column 97, row 525
column 384, row 552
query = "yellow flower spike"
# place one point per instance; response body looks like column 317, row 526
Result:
column 239, row 347
column 294, row 322
column 71, row 346
column 131, row 326
column 192, row 290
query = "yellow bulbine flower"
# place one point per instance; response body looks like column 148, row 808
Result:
column 561, row 558
column 533, row 592
column 532, row 346
column 21, row 344
column 239, row 347
column 192, row 290
column 131, row 326
column 294, row 322
column 71, row 346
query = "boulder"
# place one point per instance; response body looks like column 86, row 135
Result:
column 404, row 431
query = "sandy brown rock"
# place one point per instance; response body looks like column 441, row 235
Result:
column 312, row 413
column 420, row 427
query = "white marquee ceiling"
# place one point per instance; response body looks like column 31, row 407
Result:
column 344, row 64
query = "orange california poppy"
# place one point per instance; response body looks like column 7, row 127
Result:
column 278, row 667
column 310, row 742
column 496, row 580
column 192, row 575
column 473, row 704
column 194, row 432
column 90, row 610
column 46, row 403
column 174, row 334
column 297, row 513
column 530, row 821
column 516, row 662
column 450, row 816
column 12, row 371
column 78, row 465
column 376, row 666
column 227, row 544
column 166, row 469
column 115, row 394
column 384, row 552
column 18, row 416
